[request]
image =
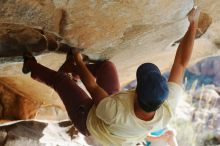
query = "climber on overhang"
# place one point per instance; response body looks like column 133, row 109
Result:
column 110, row 116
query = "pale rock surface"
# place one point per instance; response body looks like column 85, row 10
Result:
column 127, row 32
column 17, row 104
column 41, row 133
column 46, row 133
column 37, row 13
column 107, row 29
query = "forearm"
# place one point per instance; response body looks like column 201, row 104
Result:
column 96, row 92
column 185, row 48
column 183, row 55
column 85, row 75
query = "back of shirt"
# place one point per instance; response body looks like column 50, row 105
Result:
column 113, row 121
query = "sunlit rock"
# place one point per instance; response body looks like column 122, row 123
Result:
column 32, row 13
column 15, row 107
column 127, row 32
column 40, row 133
column 16, row 104
column 17, row 38
column 205, row 21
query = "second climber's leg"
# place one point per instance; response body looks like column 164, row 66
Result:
column 76, row 101
column 106, row 76
column 104, row 71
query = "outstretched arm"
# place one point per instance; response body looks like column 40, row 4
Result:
column 184, row 50
column 96, row 92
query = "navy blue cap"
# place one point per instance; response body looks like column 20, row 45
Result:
column 152, row 89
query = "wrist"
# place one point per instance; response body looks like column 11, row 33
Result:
column 193, row 25
column 78, row 57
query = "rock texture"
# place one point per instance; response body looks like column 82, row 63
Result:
column 204, row 22
column 108, row 29
column 37, row 13
column 17, row 38
column 15, row 107
column 41, row 133
column 127, row 32
column 17, row 104
column 98, row 25
column 14, row 39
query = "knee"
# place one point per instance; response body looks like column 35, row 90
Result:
column 60, row 79
column 108, row 64
column 61, row 76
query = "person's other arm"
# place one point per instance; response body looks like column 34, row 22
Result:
column 97, row 93
column 184, row 51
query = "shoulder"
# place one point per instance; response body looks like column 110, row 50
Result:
column 172, row 85
column 108, row 108
column 174, row 90
column 176, row 93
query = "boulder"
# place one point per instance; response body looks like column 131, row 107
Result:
column 40, row 133
column 126, row 32
column 205, row 21
column 36, row 13
column 17, row 104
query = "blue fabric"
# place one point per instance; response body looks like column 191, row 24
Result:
column 192, row 77
column 156, row 133
column 201, row 79
column 152, row 88
column 148, row 143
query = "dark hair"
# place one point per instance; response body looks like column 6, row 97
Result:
column 152, row 89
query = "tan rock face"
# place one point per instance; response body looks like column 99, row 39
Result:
column 204, row 22
column 15, row 39
column 14, row 107
column 116, row 18
column 33, row 13
column 107, row 29
column 127, row 32
column 96, row 25
column 33, row 102
column 38, row 133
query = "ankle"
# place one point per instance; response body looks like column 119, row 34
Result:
column 29, row 61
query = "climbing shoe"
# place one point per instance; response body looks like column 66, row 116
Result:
column 28, row 58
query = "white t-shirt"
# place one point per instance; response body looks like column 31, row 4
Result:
column 113, row 122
